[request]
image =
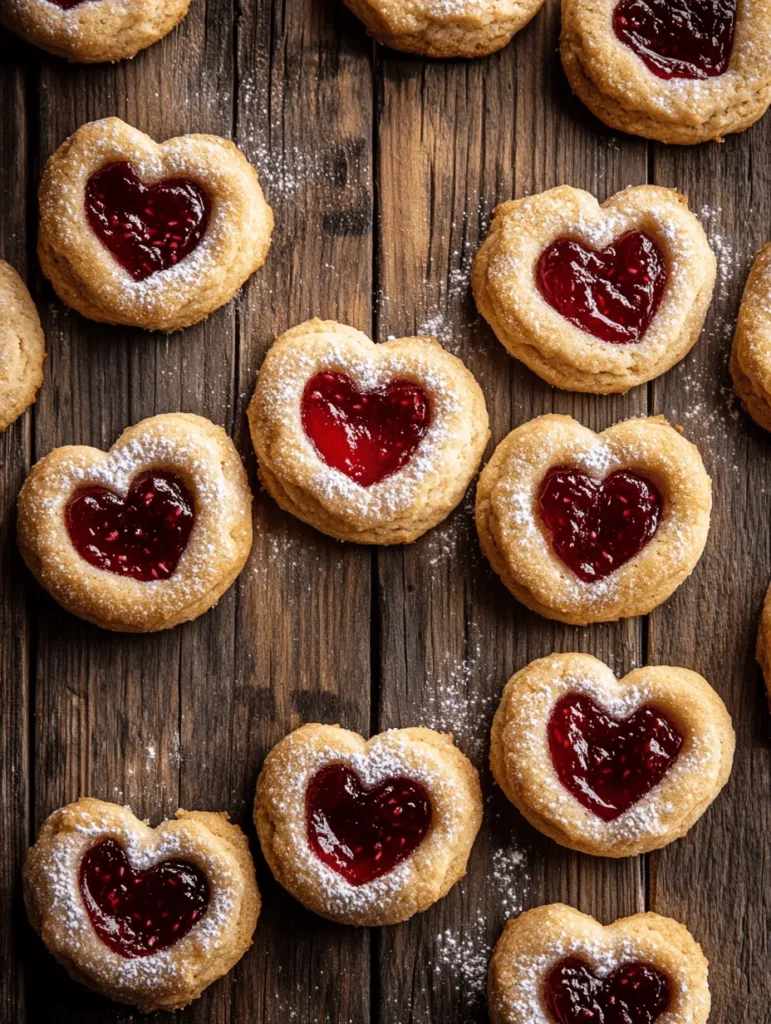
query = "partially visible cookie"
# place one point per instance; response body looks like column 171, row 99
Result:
column 149, row 917
column 22, row 347
column 445, row 28
column 554, row 964
column 751, row 353
column 763, row 649
column 92, row 31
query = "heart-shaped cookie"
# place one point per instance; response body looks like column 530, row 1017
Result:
column 680, row 71
column 585, row 527
column 142, row 537
column 595, row 297
column 147, row 916
column 92, row 31
column 751, row 353
column 22, row 347
column 369, row 443
column 436, row 28
column 554, row 965
column 611, row 767
column 153, row 236
column 367, row 833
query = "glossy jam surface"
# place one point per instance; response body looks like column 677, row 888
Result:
column 678, row 38
column 366, row 435
column 66, row 5
column 364, row 833
column 598, row 525
column 607, row 764
column 613, row 293
column 635, row 993
column 147, row 228
column 142, row 535
column 138, row 913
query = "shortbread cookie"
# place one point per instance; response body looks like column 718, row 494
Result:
column 596, row 298
column 367, row 833
column 153, row 236
column 92, row 31
column 445, row 28
column 368, row 443
column 764, row 642
column 585, row 527
column 751, row 354
column 22, row 347
column 674, row 70
column 611, row 767
column 145, row 536
column 554, row 965
column 147, row 916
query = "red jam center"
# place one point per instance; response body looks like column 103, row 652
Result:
column 138, row 913
column 608, row 765
column 678, row 38
column 147, row 228
column 598, row 525
column 66, row 5
column 612, row 294
column 364, row 833
column 366, row 435
column 142, row 535
column 635, row 993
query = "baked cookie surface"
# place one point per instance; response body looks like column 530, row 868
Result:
column 584, row 527
column 367, row 832
column 22, row 347
column 556, row 964
column 153, row 236
column 92, row 31
column 142, row 537
column 445, row 28
column 368, row 443
column 763, row 649
column 751, row 353
column 96, row 870
column 670, row 70
column 594, row 297
column 611, row 767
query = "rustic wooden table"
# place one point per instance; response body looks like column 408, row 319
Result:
column 382, row 171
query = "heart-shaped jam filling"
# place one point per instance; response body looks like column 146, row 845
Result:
column 678, row 38
column 612, row 293
column 607, row 764
column 366, row 435
column 138, row 913
column 142, row 535
column 67, row 5
column 364, row 833
column 598, row 525
column 147, row 228
column 634, row 993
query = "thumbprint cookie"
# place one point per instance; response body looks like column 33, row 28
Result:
column 145, row 536
column 611, row 767
column 153, row 236
column 147, row 916
column 595, row 297
column 438, row 28
column 92, row 31
column 764, row 642
column 681, row 71
column 368, row 443
column 585, row 527
column 367, row 833
column 751, row 354
column 554, row 965
column 22, row 347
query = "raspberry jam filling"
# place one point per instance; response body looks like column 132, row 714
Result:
column 142, row 535
column 678, row 38
column 612, row 293
column 66, row 5
column 138, row 913
column 607, row 764
column 635, row 993
column 598, row 525
column 364, row 833
column 366, row 435
column 147, row 228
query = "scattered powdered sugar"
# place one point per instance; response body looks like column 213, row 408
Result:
column 511, row 879
column 464, row 958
